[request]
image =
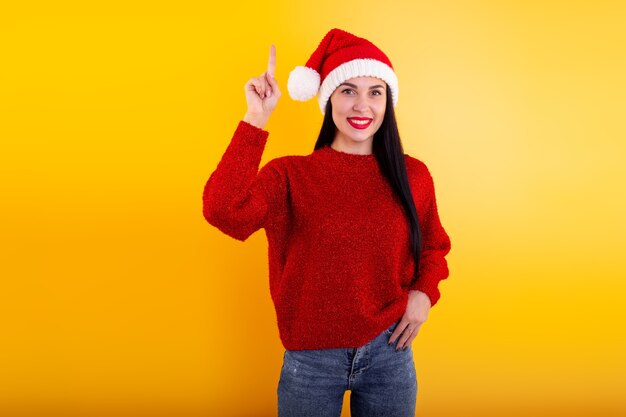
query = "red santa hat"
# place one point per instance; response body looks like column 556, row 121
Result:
column 339, row 57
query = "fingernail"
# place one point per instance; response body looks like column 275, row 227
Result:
column 405, row 348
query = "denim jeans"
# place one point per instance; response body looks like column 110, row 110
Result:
column 382, row 382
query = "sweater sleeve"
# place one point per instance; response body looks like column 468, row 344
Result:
column 433, row 266
column 238, row 198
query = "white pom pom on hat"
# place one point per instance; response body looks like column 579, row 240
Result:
column 303, row 83
column 339, row 57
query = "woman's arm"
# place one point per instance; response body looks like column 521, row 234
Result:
column 237, row 199
column 433, row 266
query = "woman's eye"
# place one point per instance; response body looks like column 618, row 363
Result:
column 375, row 92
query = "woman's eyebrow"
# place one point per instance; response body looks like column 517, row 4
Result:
column 354, row 86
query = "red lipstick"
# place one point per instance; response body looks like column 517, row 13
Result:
column 361, row 125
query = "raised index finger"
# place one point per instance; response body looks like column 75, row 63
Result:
column 271, row 64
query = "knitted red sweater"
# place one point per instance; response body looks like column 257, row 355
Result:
column 340, row 260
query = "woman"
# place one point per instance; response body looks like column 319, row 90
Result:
column 356, row 247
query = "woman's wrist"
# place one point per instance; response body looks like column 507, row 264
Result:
column 256, row 120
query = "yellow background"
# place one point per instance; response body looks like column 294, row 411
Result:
column 118, row 299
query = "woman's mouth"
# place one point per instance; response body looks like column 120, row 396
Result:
column 360, row 122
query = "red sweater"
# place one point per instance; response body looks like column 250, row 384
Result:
column 340, row 259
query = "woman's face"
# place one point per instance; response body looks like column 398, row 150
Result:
column 358, row 108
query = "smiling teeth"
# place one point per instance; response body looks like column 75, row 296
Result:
column 360, row 122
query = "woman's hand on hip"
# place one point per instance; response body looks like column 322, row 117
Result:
column 262, row 94
column 416, row 313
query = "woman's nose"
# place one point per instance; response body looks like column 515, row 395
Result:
column 360, row 104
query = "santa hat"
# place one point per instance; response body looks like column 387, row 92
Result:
column 339, row 57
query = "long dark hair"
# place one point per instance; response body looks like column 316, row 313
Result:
column 387, row 147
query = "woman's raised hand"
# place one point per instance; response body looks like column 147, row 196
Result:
column 262, row 94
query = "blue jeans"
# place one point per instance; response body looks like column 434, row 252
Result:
column 382, row 382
